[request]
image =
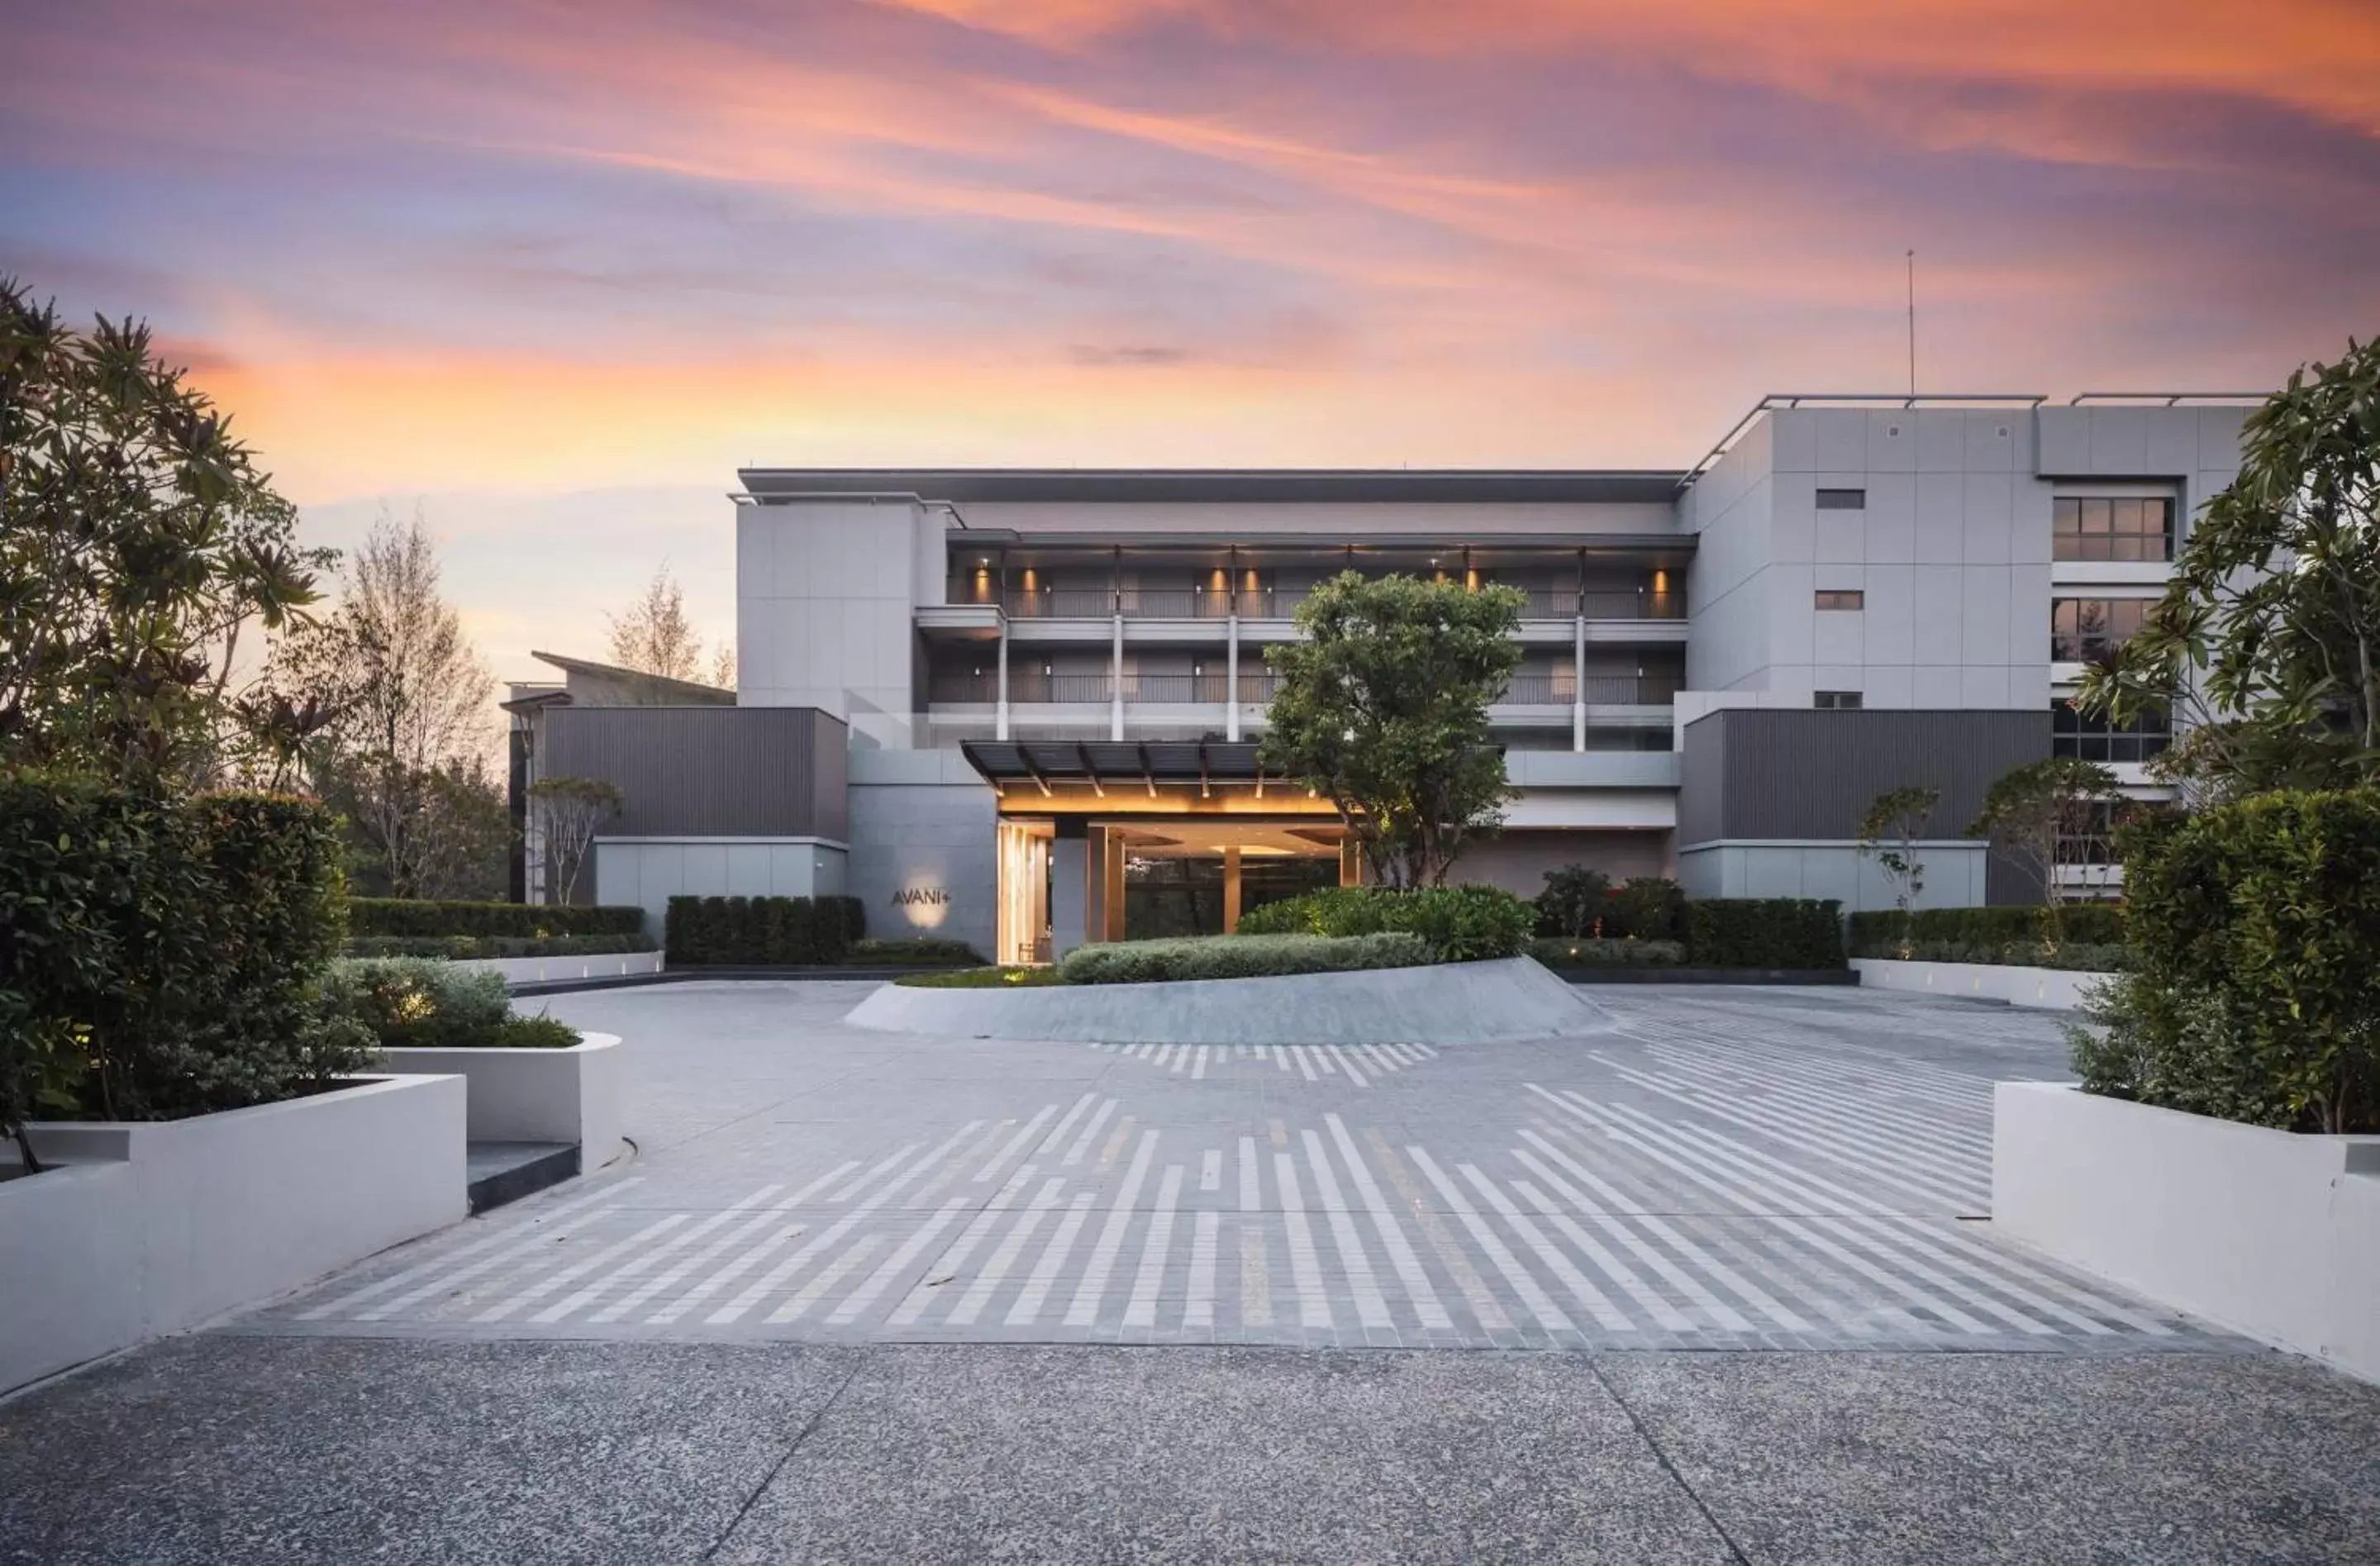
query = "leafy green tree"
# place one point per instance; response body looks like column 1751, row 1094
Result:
column 2048, row 814
column 2266, row 646
column 1888, row 833
column 567, row 812
column 1572, row 902
column 1382, row 710
column 142, row 553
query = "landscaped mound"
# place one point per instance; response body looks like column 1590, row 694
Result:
column 1258, row 956
column 418, row 1003
column 1459, row 924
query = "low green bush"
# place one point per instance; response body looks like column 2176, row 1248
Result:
column 460, row 948
column 424, row 1003
column 1461, row 924
column 761, row 931
column 1873, row 931
column 2250, row 930
column 161, row 955
column 2074, row 956
column 1572, row 902
column 1764, row 932
column 890, row 950
column 982, row 979
column 1587, row 953
column 1647, row 908
column 405, row 916
column 1240, row 957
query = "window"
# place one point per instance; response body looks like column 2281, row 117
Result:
column 1842, row 597
column 1843, row 500
column 1834, row 700
column 2095, row 739
column 2093, row 528
column 2082, row 629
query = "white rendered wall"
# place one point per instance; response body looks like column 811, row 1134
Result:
column 575, row 1094
column 1954, row 873
column 825, row 592
column 646, row 872
column 923, row 823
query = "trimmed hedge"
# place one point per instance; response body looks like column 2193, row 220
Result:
column 421, row 1003
column 160, row 955
column 982, row 979
column 1647, row 908
column 1587, row 953
column 462, row 948
column 2074, row 956
column 1240, row 957
column 2251, row 929
column 1875, row 932
column 762, row 931
column 405, row 916
column 1461, row 924
column 1764, row 932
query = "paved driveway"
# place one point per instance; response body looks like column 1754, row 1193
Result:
column 870, row 1298
column 1725, row 1169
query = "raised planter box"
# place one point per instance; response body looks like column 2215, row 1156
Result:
column 2055, row 990
column 1443, row 1003
column 560, row 970
column 149, row 1227
column 575, row 1095
column 2270, row 1234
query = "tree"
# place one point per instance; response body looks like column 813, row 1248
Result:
column 2267, row 643
column 1382, row 710
column 2047, row 814
column 1888, row 833
column 655, row 638
column 407, row 757
column 140, row 547
column 1572, row 902
column 568, row 811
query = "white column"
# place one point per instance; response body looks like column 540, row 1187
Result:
column 1070, row 888
column 1232, row 676
column 1115, row 684
column 999, row 712
column 1578, row 683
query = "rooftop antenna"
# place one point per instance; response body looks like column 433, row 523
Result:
column 1913, row 326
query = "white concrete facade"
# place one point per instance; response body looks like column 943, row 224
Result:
column 575, row 1095
column 2051, row 990
column 648, row 872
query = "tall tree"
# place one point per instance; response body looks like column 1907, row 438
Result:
column 407, row 758
column 2046, row 814
column 143, row 555
column 654, row 636
column 2266, row 646
column 1382, row 710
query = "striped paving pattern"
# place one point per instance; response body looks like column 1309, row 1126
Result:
column 1700, row 1195
column 1357, row 1064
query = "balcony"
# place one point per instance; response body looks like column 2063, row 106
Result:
column 1151, row 603
column 1533, row 689
column 1039, row 687
column 1175, row 687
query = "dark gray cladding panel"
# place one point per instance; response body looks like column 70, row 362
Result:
column 1794, row 773
column 706, row 771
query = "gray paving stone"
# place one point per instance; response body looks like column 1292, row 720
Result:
column 2050, row 1459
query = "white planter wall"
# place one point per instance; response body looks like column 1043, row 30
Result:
column 2270, row 1234
column 154, row 1227
column 2056, row 990
column 575, row 1094
column 552, row 970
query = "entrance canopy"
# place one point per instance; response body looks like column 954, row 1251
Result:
column 1098, row 768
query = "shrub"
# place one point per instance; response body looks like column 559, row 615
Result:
column 1876, row 932
column 160, row 954
column 405, row 916
column 423, row 1003
column 1572, row 902
column 1461, row 924
column 1764, row 932
column 460, row 948
column 2250, row 929
column 921, row 949
column 2075, row 955
column 1238, row 956
column 1647, row 908
column 982, row 979
column 1608, row 954
column 760, row 931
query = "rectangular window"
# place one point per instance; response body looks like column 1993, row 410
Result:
column 2095, row 739
column 1843, row 500
column 2126, row 528
column 2084, row 629
column 1842, row 597
column 1834, row 700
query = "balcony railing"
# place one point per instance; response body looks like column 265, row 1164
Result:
column 1599, row 690
column 1281, row 604
column 1058, row 687
column 1258, row 686
column 1174, row 687
column 957, row 689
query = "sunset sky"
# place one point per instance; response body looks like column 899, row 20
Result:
column 552, row 271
